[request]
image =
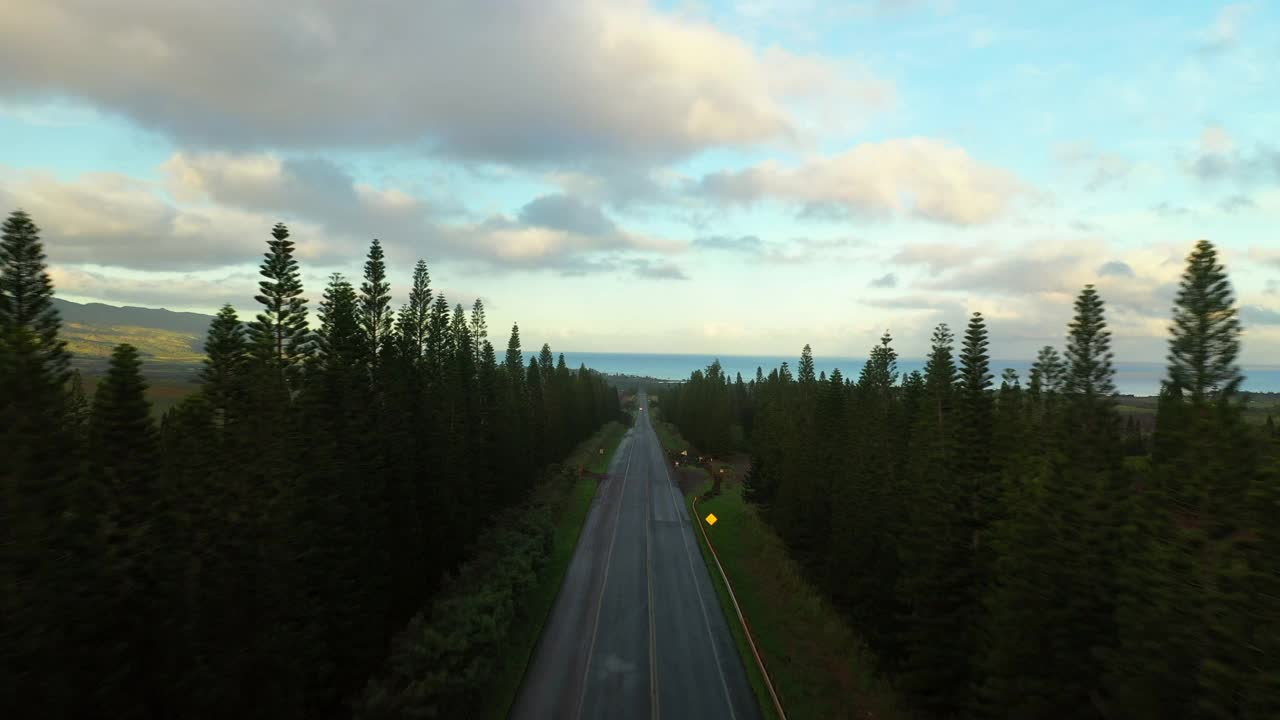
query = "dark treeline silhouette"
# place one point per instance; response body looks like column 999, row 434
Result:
column 253, row 553
column 993, row 543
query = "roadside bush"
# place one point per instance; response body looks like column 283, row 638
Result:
column 442, row 661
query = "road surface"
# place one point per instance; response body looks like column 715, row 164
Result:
column 636, row 630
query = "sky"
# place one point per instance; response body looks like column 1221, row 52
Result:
column 703, row 177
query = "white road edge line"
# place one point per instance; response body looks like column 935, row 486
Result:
column 595, row 626
column 693, row 574
column 773, row 694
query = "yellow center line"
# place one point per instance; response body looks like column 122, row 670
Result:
column 648, row 579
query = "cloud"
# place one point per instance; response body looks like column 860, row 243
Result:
column 1258, row 315
column 1164, row 209
column 1236, row 203
column 888, row 280
column 918, row 177
column 794, row 251
column 1273, row 287
column 1115, row 268
column 223, row 207
column 1265, row 255
column 562, row 212
column 935, row 257
column 1084, row 226
column 310, row 187
column 657, row 270
column 808, row 250
column 1217, row 158
column 746, row 243
column 929, row 303
column 113, row 219
column 526, row 89
column 1224, row 33
column 160, row 289
column 1100, row 168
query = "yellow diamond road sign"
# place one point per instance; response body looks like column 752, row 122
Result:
column 711, row 518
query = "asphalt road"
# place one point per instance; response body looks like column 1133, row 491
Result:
column 636, row 630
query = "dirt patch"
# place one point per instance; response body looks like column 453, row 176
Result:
column 690, row 479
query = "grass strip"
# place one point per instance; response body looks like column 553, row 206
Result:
column 524, row 635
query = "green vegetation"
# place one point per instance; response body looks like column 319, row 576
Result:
column 819, row 668
column 609, row 440
column 532, row 612
column 163, row 394
column 754, row 676
column 1030, row 551
column 323, row 496
column 153, row 344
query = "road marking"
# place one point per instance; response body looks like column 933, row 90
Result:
column 706, row 619
column 595, row 626
column 648, row 581
column 773, row 693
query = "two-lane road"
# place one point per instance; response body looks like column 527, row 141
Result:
column 636, row 631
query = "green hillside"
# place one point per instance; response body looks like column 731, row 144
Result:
column 154, row 344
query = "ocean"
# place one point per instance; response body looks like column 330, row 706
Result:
column 1132, row 378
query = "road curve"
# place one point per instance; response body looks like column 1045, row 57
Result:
column 636, row 630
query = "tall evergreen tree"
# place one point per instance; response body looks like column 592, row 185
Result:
column 806, row 366
column 375, row 302
column 224, row 365
column 479, row 328
column 1205, row 334
column 34, row 364
column 416, row 314
column 279, row 336
column 124, row 452
column 1195, row 557
column 48, row 531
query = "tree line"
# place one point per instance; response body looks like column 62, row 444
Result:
column 252, row 554
column 1017, row 550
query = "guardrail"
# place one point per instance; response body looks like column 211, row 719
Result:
column 773, row 694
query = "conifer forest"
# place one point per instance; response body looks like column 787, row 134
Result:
column 1014, row 547
column 289, row 540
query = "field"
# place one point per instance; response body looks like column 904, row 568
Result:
column 154, row 345
column 1257, row 406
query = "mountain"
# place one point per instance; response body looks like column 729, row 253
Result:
column 92, row 330
column 188, row 323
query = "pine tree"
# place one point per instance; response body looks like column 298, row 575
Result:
column 1086, row 505
column 78, row 414
column 124, row 452
column 806, row 366
column 34, row 365
column 375, row 302
column 48, row 529
column 279, row 336
column 1089, row 371
column 1194, row 560
column 124, row 434
column 415, row 315
column 1205, row 334
column 514, row 361
column 224, row 365
column 479, row 328
column 341, row 341
column 439, row 344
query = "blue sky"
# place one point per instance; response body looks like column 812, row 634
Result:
column 731, row 177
